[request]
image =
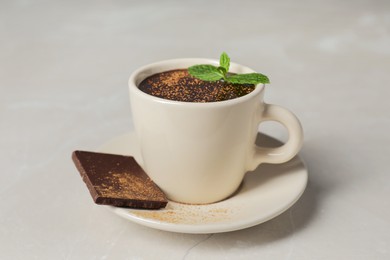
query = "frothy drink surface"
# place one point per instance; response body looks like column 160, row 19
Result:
column 179, row 85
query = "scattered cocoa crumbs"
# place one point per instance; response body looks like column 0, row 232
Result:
column 179, row 85
column 177, row 213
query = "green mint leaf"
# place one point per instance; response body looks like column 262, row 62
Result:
column 224, row 61
column 206, row 72
column 250, row 78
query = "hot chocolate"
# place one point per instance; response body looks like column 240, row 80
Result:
column 179, row 85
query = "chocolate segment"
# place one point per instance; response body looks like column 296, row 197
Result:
column 118, row 180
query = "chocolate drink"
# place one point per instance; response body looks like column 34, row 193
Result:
column 179, row 85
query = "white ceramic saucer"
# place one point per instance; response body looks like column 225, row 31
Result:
column 264, row 194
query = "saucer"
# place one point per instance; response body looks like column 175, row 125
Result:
column 264, row 194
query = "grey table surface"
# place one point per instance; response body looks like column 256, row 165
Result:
column 64, row 67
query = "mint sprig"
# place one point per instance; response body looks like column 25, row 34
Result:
column 212, row 73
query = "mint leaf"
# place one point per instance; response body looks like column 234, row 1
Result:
column 224, row 61
column 250, row 78
column 206, row 72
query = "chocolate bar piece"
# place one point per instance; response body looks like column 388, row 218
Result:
column 118, row 180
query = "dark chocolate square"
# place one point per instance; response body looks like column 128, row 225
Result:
column 118, row 180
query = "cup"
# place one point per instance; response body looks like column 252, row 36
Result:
column 198, row 153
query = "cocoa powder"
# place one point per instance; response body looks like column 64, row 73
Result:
column 179, row 85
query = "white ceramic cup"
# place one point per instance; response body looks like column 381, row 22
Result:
column 199, row 152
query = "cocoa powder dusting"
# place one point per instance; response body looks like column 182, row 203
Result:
column 179, row 85
column 177, row 213
column 122, row 186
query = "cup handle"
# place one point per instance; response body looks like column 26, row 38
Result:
column 287, row 151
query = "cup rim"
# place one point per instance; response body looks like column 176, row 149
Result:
column 172, row 64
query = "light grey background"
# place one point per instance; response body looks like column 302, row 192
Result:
column 64, row 67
